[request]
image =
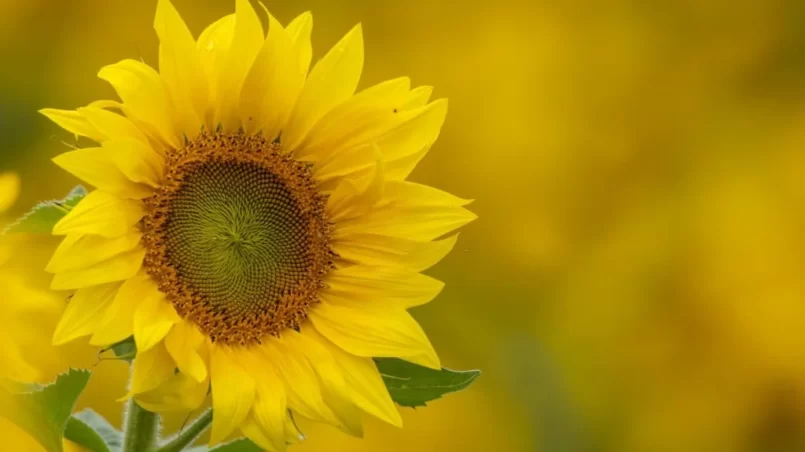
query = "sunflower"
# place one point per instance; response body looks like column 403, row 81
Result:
column 252, row 226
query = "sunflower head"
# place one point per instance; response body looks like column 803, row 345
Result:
column 252, row 226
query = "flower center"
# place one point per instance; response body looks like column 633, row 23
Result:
column 237, row 237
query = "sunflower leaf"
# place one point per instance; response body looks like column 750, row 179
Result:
column 42, row 218
column 44, row 413
column 411, row 385
column 90, row 430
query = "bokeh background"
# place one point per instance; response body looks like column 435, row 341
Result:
column 635, row 279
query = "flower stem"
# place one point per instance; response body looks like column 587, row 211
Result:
column 141, row 429
column 188, row 435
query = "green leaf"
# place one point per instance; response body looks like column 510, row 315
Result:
column 44, row 413
column 90, row 430
column 125, row 349
column 241, row 445
column 44, row 216
column 411, row 385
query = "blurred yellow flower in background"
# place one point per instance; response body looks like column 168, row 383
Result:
column 28, row 317
column 9, row 190
column 28, row 314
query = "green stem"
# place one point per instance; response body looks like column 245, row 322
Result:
column 188, row 435
column 141, row 429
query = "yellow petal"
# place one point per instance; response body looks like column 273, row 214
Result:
column 355, row 163
column 118, row 322
column 233, row 392
column 332, row 81
column 179, row 393
column 153, row 319
column 418, row 212
column 360, row 119
column 422, row 223
column 292, row 433
column 374, row 331
column 106, row 105
column 374, row 118
column 413, row 194
column 252, row 430
column 77, row 251
column 112, row 125
column 101, row 214
column 28, row 320
column 152, row 368
column 9, row 190
column 299, row 31
column 355, row 198
column 181, row 68
column 383, row 251
column 418, row 97
column 138, row 161
column 416, row 129
column 266, row 424
column 102, row 169
column 247, row 40
column 364, row 381
column 401, row 168
column 360, row 285
column 73, row 122
column 304, row 390
column 118, row 268
column 84, row 312
column 183, row 342
column 272, row 85
column 15, row 366
column 144, row 98
column 214, row 45
column 334, row 389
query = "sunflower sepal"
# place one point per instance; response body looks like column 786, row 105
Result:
column 125, row 350
column 44, row 216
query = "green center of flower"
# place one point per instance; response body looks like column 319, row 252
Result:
column 237, row 235
column 237, row 238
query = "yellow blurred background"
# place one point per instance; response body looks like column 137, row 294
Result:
column 635, row 280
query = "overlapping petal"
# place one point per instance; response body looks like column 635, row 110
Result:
column 332, row 81
column 272, row 85
column 373, row 331
column 181, row 69
column 100, row 213
column 233, row 392
column 84, row 312
column 228, row 50
column 145, row 99
column 118, row 321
